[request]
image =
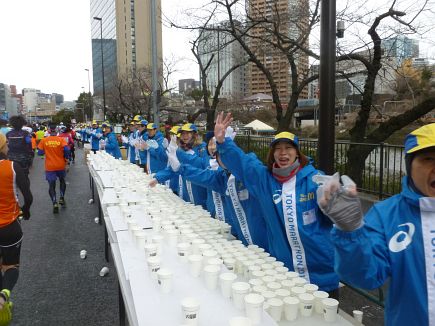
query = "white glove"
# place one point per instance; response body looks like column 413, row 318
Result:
column 173, row 161
column 151, row 143
column 124, row 139
column 339, row 202
column 165, row 143
column 102, row 144
column 99, row 135
column 173, row 144
column 229, row 132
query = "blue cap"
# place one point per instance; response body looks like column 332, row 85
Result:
column 209, row 135
column 143, row 122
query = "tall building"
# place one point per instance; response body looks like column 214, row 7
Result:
column 400, row 47
column 226, row 54
column 187, row 85
column 293, row 19
column 125, row 39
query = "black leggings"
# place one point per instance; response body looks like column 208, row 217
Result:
column 52, row 189
column 73, row 154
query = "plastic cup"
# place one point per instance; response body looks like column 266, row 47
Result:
column 153, row 266
column 330, row 309
column 275, row 308
column 358, row 315
column 307, row 304
column 83, row 254
column 239, row 291
column 291, row 308
column 164, row 278
column 240, row 321
column 254, row 307
column 211, row 274
column 311, row 288
column 195, row 262
column 190, row 309
column 183, row 251
column 226, row 280
column 318, row 297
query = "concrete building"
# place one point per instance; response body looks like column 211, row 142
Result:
column 400, row 47
column 293, row 18
column 226, row 54
column 187, row 85
column 126, row 39
column 30, row 99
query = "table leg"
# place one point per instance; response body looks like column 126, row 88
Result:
column 93, row 189
column 106, row 243
column 100, row 212
column 121, row 307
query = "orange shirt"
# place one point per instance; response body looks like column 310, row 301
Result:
column 9, row 208
column 53, row 147
column 33, row 143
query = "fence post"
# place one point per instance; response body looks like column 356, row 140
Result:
column 381, row 171
column 249, row 141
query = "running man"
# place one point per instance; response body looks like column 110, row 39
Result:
column 56, row 152
column 11, row 176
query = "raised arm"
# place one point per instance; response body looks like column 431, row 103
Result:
column 210, row 179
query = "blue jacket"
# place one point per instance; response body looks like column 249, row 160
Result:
column 300, row 239
column 112, row 146
column 242, row 209
column 156, row 157
column 131, row 149
column 95, row 140
column 143, row 154
column 397, row 242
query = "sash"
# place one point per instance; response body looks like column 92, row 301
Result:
column 427, row 211
column 180, row 186
column 217, row 200
column 190, row 192
column 238, row 209
column 291, row 228
column 148, row 166
column 168, row 183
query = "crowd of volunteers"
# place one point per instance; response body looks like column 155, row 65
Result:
column 311, row 222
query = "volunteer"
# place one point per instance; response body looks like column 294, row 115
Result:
column 395, row 241
column 111, row 145
column 156, row 157
column 95, row 135
column 287, row 195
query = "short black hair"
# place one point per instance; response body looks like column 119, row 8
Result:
column 17, row 122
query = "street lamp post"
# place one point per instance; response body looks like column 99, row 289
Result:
column 102, row 65
column 89, row 94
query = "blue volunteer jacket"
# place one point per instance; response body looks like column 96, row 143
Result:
column 95, row 140
column 156, row 157
column 300, row 238
column 242, row 209
column 143, row 154
column 112, row 146
column 131, row 149
column 397, row 242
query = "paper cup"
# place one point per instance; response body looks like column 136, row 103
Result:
column 268, row 279
column 273, row 286
column 239, row 291
column 318, row 297
column 195, row 262
column 226, row 280
column 255, row 281
column 211, row 274
column 183, row 251
column 230, row 263
column 311, row 288
column 259, row 289
column 240, row 321
column 330, row 309
column 282, row 293
column 150, row 250
column 287, row 284
column 164, row 278
column 153, row 266
column 291, row 308
column 83, row 254
column 258, row 274
column 254, row 307
column 292, row 275
column 296, row 290
column 306, row 304
column 268, row 294
column 275, row 308
column 190, row 309
column 358, row 315
column 104, row 271
column 299, row 281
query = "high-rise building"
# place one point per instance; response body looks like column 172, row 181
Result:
column 293, row 23
column 126, row 39
column 187, row 85
column 400, row 47
column 226, row 54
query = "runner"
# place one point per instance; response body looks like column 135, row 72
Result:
column 57, row 152
column 11, row 176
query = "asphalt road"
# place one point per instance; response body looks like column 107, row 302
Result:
column 56, row 287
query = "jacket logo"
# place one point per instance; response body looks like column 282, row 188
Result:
column 277, row 197
column 401, row 240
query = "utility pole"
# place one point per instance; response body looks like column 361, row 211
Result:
column 154, row 59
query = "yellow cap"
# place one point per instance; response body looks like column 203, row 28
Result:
column 421, row 138
column 285, row 135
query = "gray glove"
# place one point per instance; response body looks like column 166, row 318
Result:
column 339, row 202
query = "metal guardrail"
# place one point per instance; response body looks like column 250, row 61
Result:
column 383, row 168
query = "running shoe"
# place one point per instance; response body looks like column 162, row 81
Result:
column 6, row 311
column 55, row 208
column 62, row 201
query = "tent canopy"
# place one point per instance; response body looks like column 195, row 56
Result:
column 258, row 125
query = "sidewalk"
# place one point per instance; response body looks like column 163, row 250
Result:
column 55, row 286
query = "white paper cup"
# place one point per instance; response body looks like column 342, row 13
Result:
column 318, row 297
column 258, row 274
column 299, row 281
column 259, row 289
column 240, row 321
column 215, row 261
column 292, row 275
column 269, row 259
column 268, row 279
column 183, row 251
column 211, row 274
column 204, row 247
column 280, row 277
column 83, row 254
column 275, row 308
column 164, row 278
column 330, row 309
column 358, row 315
column 311, row 288
column 273, row 286
column 281, row 270
column 255, row 281
column 287, row 284
column 172, row 237
column 266, row 267
column 195, row 263
column 268, row 294
column 239, row 291
column 230, row 263
column 153, row 266
column 296, row 290
column 282, row 293
column 140, row 238
column 226, row 281
column 158, row 240
column 150, row 250
column 254, row 307
column 270, row 272
column 277, row 264
column 291, row 308
column 195, row 245
column 104, row 271
column 307, row 304
column 190, row 309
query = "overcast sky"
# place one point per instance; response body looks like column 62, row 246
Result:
column 46, row 44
